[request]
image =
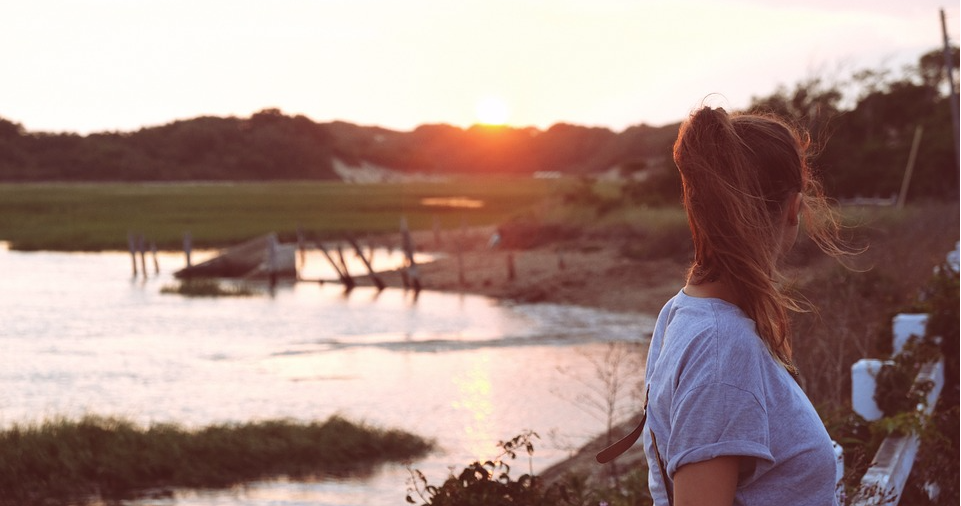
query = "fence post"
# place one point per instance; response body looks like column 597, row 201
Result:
column 153, row 251
column 132, row 245
column 142, row 246
column 188, row 246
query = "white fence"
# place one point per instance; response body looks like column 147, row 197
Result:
column 884, row 481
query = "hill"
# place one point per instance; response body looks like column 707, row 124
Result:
column 270, row 145
column 864, row 132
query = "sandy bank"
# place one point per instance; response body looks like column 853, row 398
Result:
column 589, row 273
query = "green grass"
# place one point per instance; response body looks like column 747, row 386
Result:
column 66, row 462
column 98, row 216
column 208, row 288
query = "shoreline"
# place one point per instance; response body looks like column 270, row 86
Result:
column 588, row 273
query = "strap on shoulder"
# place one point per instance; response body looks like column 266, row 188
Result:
column 625, row 443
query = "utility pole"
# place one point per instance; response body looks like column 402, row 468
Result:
column 949, row 72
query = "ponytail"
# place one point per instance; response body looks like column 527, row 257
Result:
column 737, row 172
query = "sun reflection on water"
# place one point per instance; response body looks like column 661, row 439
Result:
column 475, row 395
column 461, row 369
column 456, row 202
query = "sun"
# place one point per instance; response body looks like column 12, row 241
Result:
column 492, row 111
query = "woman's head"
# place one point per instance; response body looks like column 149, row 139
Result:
column 739, row 173
column 746, row 185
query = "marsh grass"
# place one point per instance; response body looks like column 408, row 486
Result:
column 98, row 216
column 95, row 458
column 208, row 288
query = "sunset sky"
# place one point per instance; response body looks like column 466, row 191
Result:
column 97, row 65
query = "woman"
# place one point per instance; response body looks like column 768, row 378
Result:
column 726, row 421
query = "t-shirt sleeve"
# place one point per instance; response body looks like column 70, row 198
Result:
column 716, row 420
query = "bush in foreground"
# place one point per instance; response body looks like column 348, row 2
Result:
column 490, row 484
column 66, row 462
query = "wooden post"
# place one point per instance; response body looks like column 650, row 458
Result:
column 405, row 241
column 949, row 73
column 341, row 260
column 408, row 243
column 909, row 170
column 560, row 259
column 510, row 266
column 187, row 246
column 370, row 251
column 461, row 279
column 272, row 259
column 414, row 276
column 360, row 253
column 348, row 280
column 132, row 244
column 461, row 243
column 330, row 259
column 142, row 247
column 345, row 278
column 153, row 251
column 301, row 247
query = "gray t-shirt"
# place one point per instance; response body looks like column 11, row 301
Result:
column 715, row 390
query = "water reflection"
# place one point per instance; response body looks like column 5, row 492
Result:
column 79, row 337
column 474, row 391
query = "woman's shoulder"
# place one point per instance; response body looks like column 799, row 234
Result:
column 699, row 315
column 714, row 337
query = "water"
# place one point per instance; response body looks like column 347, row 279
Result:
column 82, row 336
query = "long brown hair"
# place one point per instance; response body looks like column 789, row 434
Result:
column 737, row 172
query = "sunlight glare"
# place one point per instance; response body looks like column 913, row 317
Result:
column 492, row 111
column 476, row 390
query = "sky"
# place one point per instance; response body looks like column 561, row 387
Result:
column 119, row 65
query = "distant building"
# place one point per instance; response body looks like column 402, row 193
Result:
column 367, row 173
column 548, row 174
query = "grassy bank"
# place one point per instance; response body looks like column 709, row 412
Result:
column 208, row 288
column 98, row 216
column 895, row 273
column 67, row 461
column 855, row 305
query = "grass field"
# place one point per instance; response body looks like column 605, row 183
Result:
column 98, row 216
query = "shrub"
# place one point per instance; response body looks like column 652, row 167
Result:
column 70, row 462
column 490, row 484
column 208, row 288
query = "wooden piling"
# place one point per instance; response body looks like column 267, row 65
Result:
column 301, row 247
column 188, row 246
column 461, row 279
column 909, row 169
column 360, row 253
column 461, row 241
column 153, row 251
column 272, row 260
column 132, row 244
column 342, row 260
column 370, row 250
column 411, row 271
column 344, row 276
column 510, row 266
column 142, row 247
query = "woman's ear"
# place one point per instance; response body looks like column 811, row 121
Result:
column 793, row 213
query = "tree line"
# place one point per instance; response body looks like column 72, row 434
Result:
column 863, row 128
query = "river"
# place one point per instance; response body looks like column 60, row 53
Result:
column 81, row 335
